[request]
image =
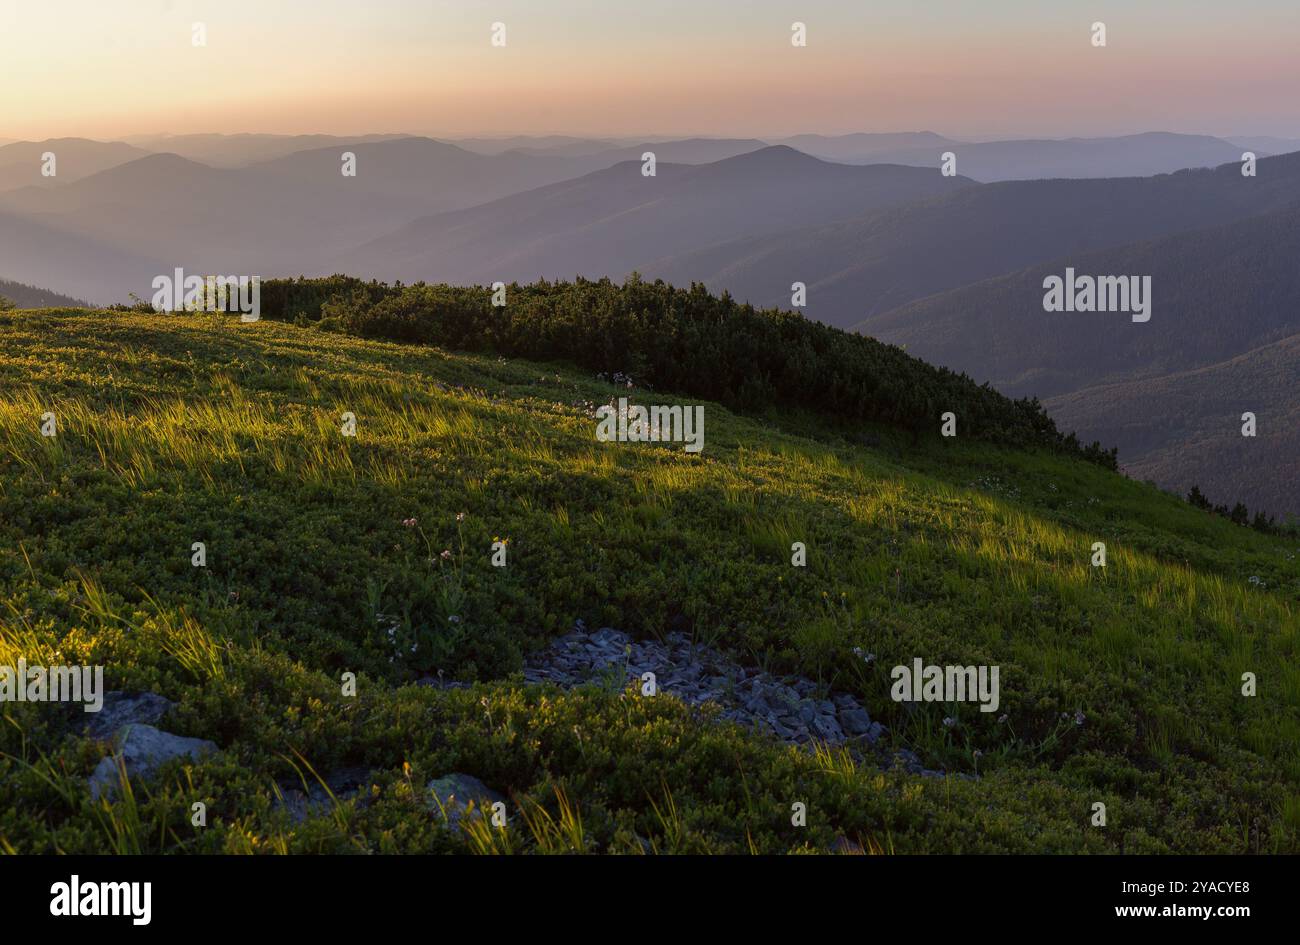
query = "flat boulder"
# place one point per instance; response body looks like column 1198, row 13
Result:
column 143, row 749
column 453, row 793
column 121, row 708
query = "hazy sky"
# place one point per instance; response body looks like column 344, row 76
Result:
column 107, row 68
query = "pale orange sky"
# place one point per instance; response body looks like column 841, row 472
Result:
column 110, row 68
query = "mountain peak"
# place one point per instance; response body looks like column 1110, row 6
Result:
column 774, row 156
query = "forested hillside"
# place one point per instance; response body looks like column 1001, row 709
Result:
column 686, row 341
column 29, row 296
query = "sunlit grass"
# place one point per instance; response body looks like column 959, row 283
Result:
column 975, row 555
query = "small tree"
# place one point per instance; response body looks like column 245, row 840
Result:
column 5, row 304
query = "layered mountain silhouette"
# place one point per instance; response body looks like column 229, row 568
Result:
column 616, row 220
column 859, row 269
column 1126, row 156
column 539, row 144
column 886, row 245
column 1137, row 155
column 1221, row 341
column 240, row 150
column 1267, row 144
column 607, row 151
column 274, row 217
column 864, row 148
column 21, row 162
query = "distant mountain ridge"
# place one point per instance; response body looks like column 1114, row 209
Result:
column 30, row 296
column 1267, row 144
column 21, row 162
column 864, row 147
column 1224, row 329
column 240, row 150
column 860, row 269
column 279, row 216
column 1184, row 429
column 616, row 220
column 1139, row 155
column 1217, row 292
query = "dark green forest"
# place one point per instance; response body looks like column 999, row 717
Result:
column 684, row 340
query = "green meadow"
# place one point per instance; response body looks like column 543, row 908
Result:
column 1120, row 685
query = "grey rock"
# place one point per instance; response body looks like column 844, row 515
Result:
column 453, row 794
column 782, row 732
column 855, row 721
column 791, row 708
column 828, row 729
column 344, row 784
column 143, row 749
column 120, row 708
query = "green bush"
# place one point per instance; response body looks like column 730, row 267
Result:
column 684, row 340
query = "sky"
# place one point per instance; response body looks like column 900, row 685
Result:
column 967, row 68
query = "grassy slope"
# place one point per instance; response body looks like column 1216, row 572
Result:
column 183, row 429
